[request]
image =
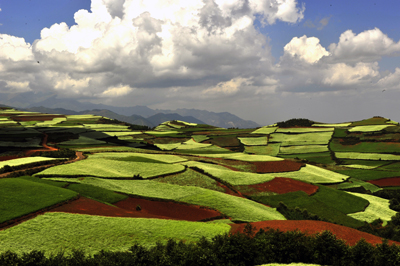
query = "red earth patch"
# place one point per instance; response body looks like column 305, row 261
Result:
column 349, row 235
column 168, row 209
column 386, row 182
column 11, row 157
column 278, row 166
column 149, row 209
column 282, row 185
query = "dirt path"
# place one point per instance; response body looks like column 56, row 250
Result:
column 45, row 146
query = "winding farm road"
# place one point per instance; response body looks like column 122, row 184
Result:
column 78, row 154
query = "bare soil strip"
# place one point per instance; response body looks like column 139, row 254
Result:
column 349, row 235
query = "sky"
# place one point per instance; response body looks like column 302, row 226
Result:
column 263, row 60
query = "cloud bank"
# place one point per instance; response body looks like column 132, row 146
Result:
column 189, row 50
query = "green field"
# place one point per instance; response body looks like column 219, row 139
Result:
column 109, row 168
column 97, row 193
column 271, row 149
column 254, row 141
column 332, row 125
column 301, row 200
column 26, row 160
column 321, row 157
column 320, row 138
column 44, row 181
column 200, row 138
column 244, row 157
column 19, row 197
column 265, row 130
column 314, row 174
column 237, row 208
column 378, row 208
column 304, row 130
column 83, row 141
column 303, row 149
column 367, row 156
column 371, row 121
column 56, row 232
column 365, row 174
column 191, row 178
column 358, row 183
column 367, row 147
column 139, row 157
column 231, row 177
column 342, row 201
column 369, row 128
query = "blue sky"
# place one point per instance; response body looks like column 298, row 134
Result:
column 154, row 55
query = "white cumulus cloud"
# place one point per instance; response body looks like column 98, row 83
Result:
column 305, row 48
column 367, row 46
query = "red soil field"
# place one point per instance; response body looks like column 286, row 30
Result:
column 386, row 182
column 224, row 141
column 283, row 185
column 278, row 166
column 11, row 157
column 168, row 209
column 35, row 117
column 88, row 206
column 349, row 235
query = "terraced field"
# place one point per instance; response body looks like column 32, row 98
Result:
column 224, row 178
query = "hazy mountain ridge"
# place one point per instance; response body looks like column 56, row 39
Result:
column 141, row 115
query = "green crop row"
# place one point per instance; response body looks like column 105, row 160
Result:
column 56, row 232
column 108, row 168
column 19, row 197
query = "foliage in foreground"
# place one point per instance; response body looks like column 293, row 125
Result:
column 247, row 248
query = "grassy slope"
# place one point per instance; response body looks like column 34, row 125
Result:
column 191, row 178
column 27, row 160
column 303, row 201
column 55, row 232
column 97, row 193
column 237, row 208
column 19, row 197
column 377, row 209
column 103, row 167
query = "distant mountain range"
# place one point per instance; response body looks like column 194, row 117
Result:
column 139, row 115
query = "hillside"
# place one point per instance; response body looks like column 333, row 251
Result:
column 110, row 184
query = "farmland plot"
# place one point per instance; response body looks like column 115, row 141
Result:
column 354, row 183
column 378, row 208
column 321, row 138
column 19, row 197
column 56, row 232
column 244, row 157
column 82, row 141
column 314, row 174
column 191, row 144
column 332, row 125
column 304, row 130
column 366, row 147
column 231, row 177
column 303, row 149
column 108, row 168
column 301, row 200
column 367, row 156
column 235, row 207
column 265, row 130
column 200, row 138
column 132, row 156
column 254, row 141
column 26, row 160
column 369, row 128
